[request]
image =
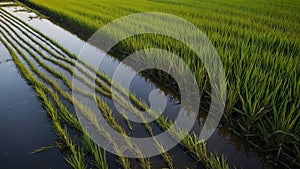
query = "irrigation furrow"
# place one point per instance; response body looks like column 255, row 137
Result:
column 161, row 122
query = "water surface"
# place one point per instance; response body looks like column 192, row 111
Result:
column 24, row 125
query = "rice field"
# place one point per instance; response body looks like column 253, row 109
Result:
column 258, row 42
column 259, row 45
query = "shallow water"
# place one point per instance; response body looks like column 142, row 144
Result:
column 24, row 125
column 237, row 151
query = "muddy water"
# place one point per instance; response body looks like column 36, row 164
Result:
column 238, row 152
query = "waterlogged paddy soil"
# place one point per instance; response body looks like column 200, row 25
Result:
column 237, row 152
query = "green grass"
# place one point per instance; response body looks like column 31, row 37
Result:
column 258, row 43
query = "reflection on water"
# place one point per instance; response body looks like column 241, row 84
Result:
column 23, row 122
column 6, row 3
column 237, row 151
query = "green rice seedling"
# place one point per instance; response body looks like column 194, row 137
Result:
column 199, row 149
column 66, row 116
column 76, row 160
column 100, row 157
column 168, row 159
column 285, row 127
column 126, row 120
column 42, row 149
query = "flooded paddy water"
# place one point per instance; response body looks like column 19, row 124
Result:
column 24, row 124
